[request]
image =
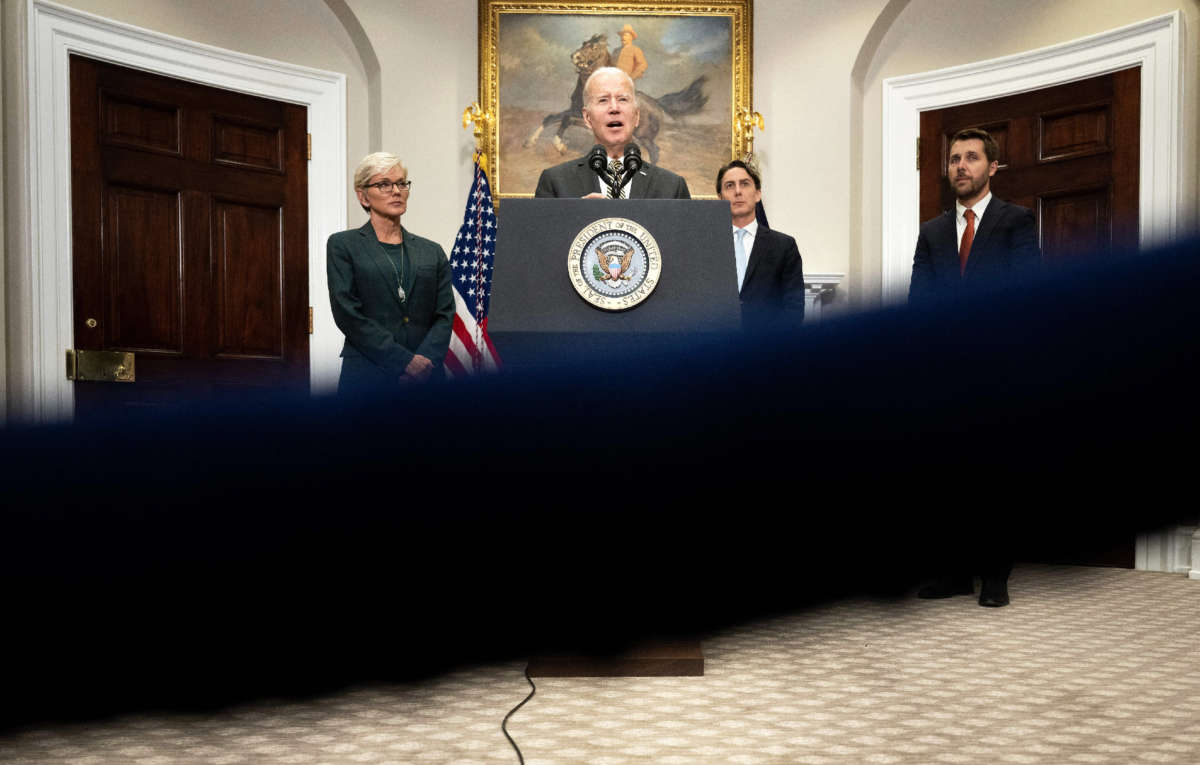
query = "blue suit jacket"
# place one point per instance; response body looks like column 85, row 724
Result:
column 383, row 333
column 1005, row 249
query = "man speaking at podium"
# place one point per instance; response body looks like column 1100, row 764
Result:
column 610, row 109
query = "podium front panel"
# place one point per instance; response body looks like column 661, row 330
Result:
column 531, row 287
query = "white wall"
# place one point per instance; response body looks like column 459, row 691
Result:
column 804, row 56
column 428, row 56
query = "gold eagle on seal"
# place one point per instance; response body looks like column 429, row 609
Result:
column 615, row 264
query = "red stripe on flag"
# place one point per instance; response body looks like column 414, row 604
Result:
column 451, row 363
column 460, row 331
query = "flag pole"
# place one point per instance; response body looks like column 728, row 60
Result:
column 471, row 262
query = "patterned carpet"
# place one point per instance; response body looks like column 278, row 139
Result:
column 1088, row 665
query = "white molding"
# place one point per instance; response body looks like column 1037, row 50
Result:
column 1153, row 44
column 1194, row 570
column 816, row 286
column 55, row 32
column 1173, row 550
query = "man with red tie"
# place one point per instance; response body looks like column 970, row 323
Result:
column 983, row 241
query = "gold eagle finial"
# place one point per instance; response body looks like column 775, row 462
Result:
column 475, row 114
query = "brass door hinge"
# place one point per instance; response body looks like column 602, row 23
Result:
column 918, row 153
column 309, row 145
column 100, row 366
column 310, row 320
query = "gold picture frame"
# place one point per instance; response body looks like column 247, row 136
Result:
column 696, row 69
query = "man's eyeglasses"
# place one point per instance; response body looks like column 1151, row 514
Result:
column 387, row 186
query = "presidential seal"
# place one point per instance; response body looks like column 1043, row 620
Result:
column 614, row 264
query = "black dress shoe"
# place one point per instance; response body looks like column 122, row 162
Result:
column 948, row 586
column 994, row 592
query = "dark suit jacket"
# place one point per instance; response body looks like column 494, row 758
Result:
column 773, row 290
column 575, row 179
column 382, row 333
column 1004, row 250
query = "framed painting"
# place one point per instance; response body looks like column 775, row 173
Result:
column 691, row 64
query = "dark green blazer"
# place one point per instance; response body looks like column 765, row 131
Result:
column 382, row 333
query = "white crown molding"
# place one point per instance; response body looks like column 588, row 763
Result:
column 56, row 32
column 1153, row 44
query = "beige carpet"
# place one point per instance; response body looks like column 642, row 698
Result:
column 1086, row 666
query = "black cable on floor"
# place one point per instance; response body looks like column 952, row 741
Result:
column 504, row 725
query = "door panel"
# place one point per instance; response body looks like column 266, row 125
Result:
column 246, row 145
column 1075, row 223
column 139, row 124
column 142, row 260
column 249, row 274
column 190, row 236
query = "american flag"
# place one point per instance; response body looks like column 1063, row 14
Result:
column 471, row 261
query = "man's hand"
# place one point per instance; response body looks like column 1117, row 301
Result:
column 419, row 368
column 595, row 195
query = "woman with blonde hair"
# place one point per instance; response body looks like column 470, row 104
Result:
column 390, row 290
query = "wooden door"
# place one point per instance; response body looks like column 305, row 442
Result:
column 1069, row 153
column 190, row 237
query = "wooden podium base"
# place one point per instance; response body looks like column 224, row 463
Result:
column 681, row 658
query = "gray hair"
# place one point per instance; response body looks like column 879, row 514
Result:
column 587, row 86
column 375, row 164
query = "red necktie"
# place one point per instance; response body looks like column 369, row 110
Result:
column 964, row 247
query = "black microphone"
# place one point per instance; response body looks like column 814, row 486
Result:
column 633, row 160
column 598, row 160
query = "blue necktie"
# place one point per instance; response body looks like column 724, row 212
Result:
column 739, row 255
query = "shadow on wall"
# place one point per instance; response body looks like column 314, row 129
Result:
column 215, row 553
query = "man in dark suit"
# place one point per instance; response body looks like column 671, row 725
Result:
column 983, row 241
column 610, row 109
column 769, row 269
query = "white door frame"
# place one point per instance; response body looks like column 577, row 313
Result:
column 42, row 286
column 1153, row 44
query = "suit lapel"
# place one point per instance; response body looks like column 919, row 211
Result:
column 757, row 253
column 947, row 245
column 640, row 185
column 585, row 178
column 991, row 216
column 979, row 247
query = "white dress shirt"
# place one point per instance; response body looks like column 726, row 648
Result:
column 961, row 220
column 747, row 244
